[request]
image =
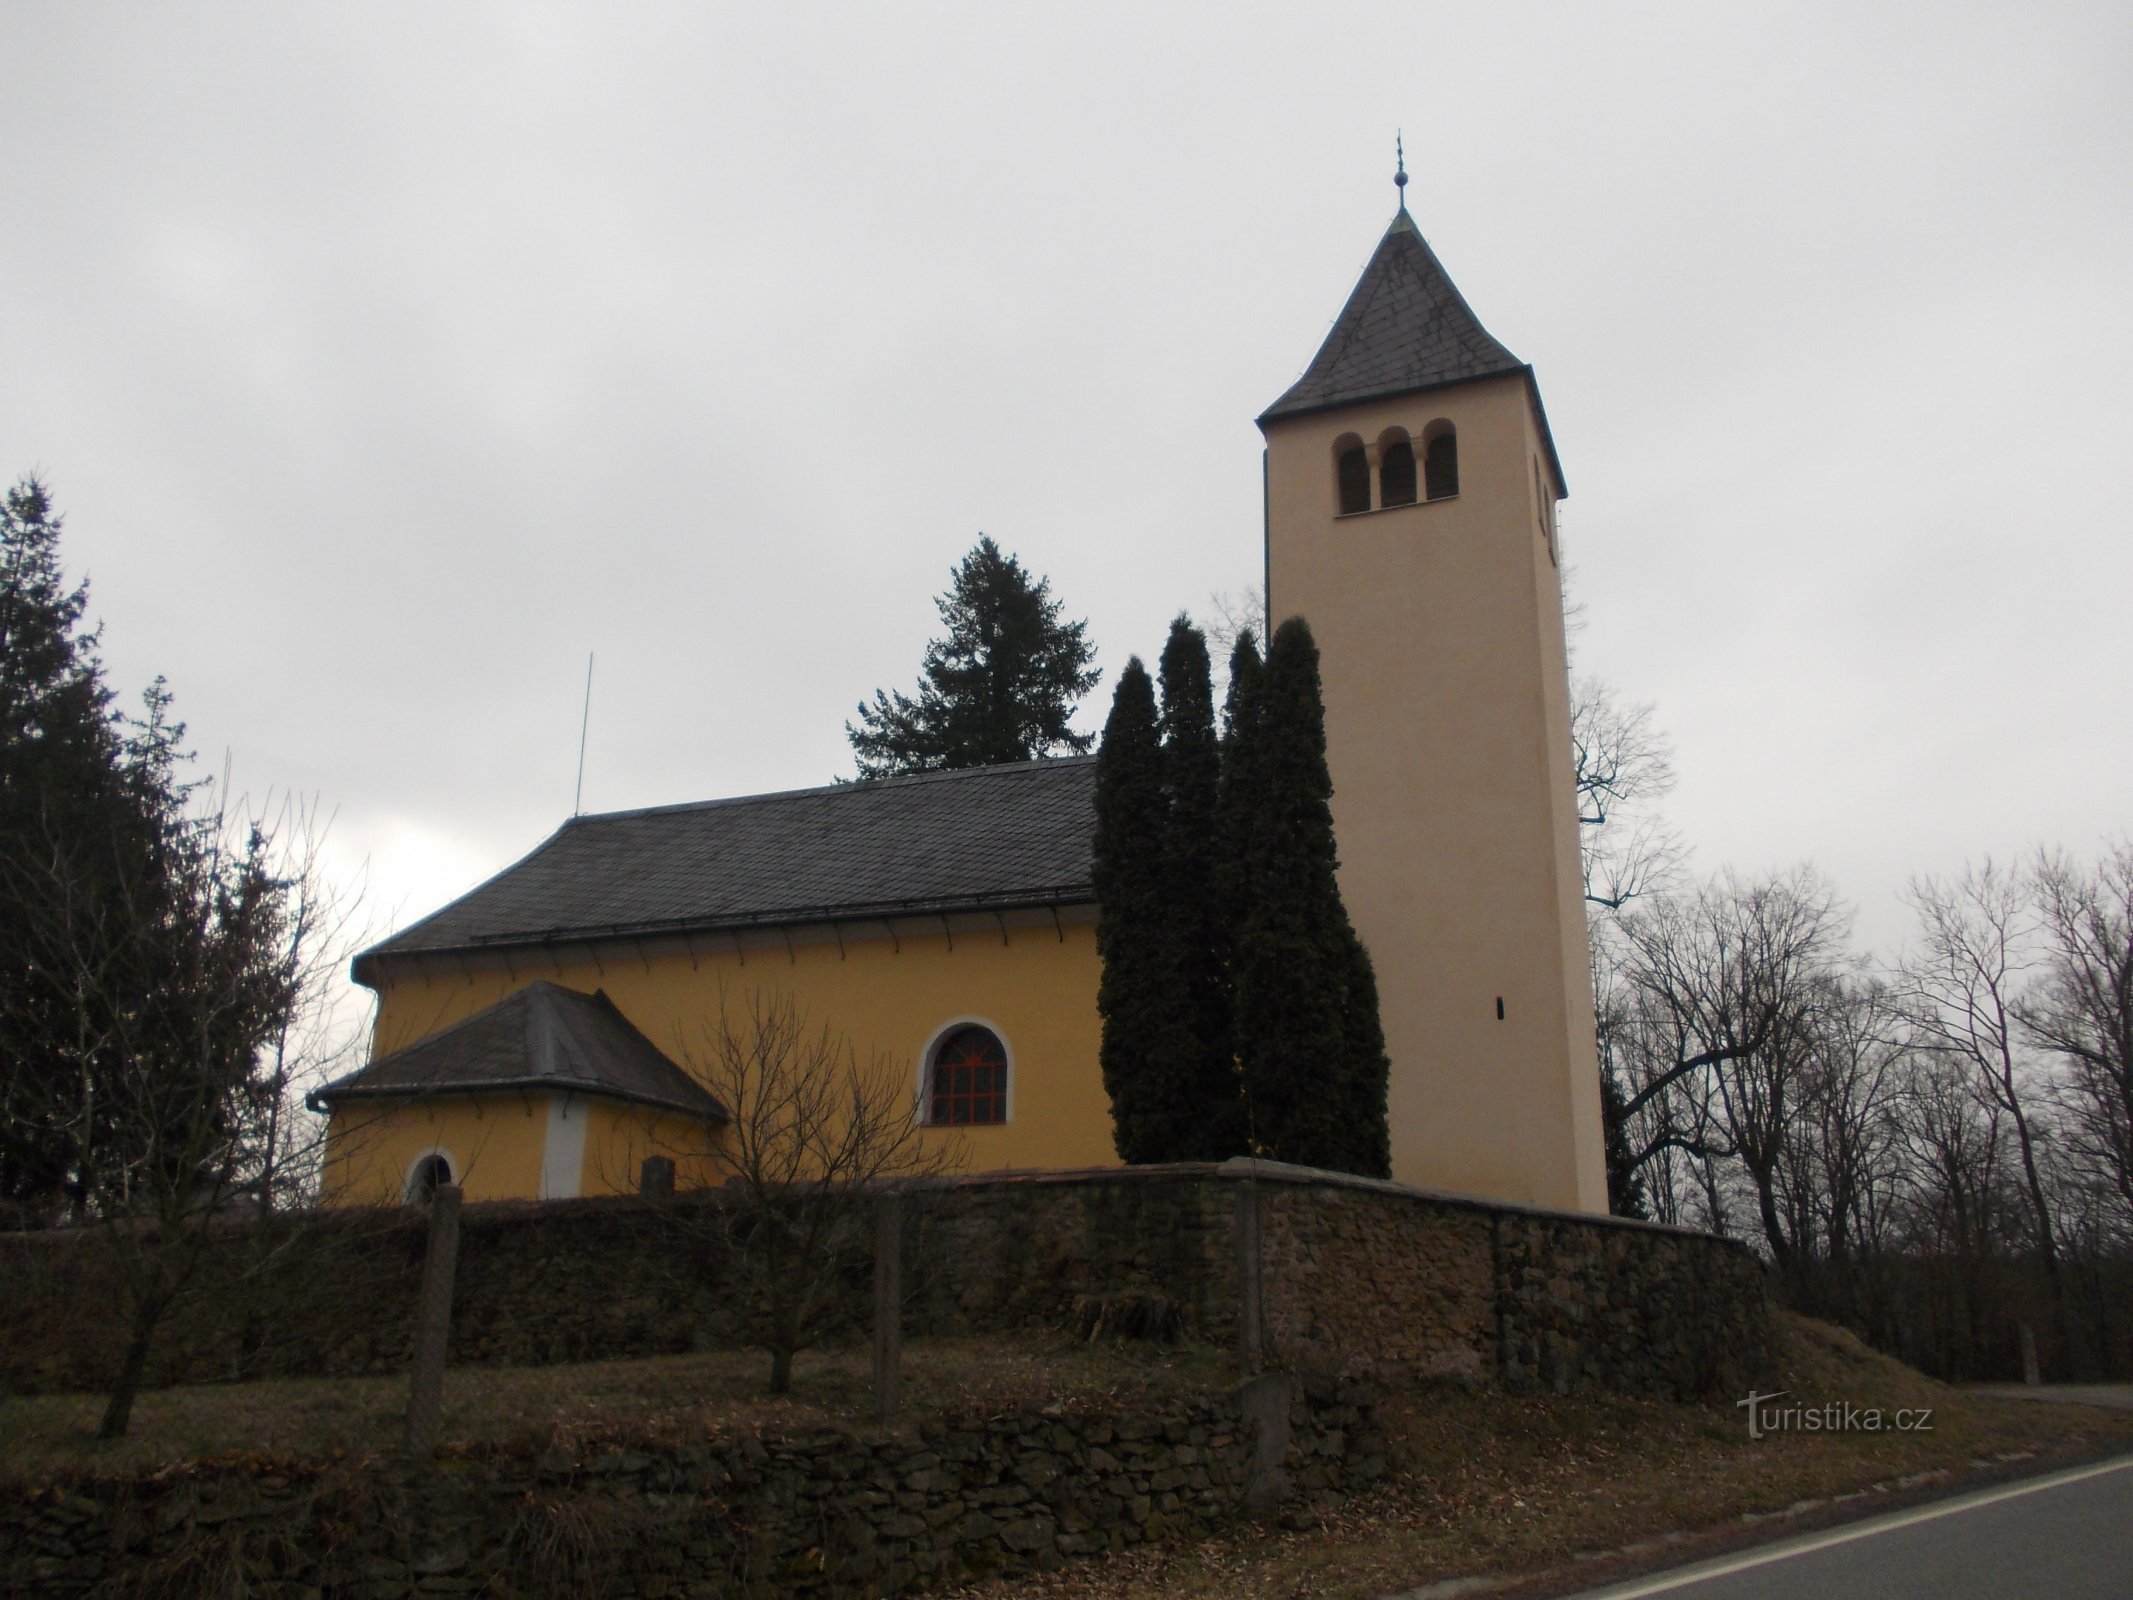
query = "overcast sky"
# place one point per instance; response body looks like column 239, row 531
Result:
column 386, row 360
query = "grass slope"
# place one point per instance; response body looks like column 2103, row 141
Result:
column 1483, row 1483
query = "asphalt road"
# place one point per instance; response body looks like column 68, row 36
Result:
column 2067, row 1535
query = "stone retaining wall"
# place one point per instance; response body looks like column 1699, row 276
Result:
column 827, row 1514
column 1351, row 1274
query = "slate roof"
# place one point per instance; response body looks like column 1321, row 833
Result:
column 985, row 838
column 1404, row 328
column 542, row 1037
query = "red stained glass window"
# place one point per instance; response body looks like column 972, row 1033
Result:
column 969, row 1082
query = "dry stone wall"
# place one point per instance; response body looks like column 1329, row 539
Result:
column 1350, row 1274
column 827, row 1514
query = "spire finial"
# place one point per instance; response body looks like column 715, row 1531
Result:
column 1399, row 177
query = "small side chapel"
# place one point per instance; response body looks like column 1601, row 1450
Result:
column 533, row 1037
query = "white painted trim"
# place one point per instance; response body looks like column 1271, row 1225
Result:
column 563, row 1152
column 407, row 1178
column 925, row 1066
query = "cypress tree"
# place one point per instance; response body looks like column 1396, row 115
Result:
column 1136, row 992
column 1210, row 1115
column 1309, row 1044
column 1234, row 802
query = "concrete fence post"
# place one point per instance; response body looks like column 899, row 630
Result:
column 1251, row 1282
column 888, row 1306
column 2030, row 1373
column 433, row 1323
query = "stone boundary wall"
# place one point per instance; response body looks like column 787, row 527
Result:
column 1348, row 1274
column 828, row 1514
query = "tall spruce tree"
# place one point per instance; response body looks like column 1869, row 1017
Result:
column 1000, row 687
column 1211, row 1113
column 150, row 945
column 1137, row 992
column 61, row 783
column 1309, row 1044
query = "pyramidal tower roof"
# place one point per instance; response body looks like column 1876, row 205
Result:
column 1404, row 328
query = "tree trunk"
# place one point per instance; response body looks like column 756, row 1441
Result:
column 784, row 1341
column 118, row 1412
column 2047, row 1242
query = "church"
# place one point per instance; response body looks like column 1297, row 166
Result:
column 533, row 1037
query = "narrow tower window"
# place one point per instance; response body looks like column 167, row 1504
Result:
column 1440, row 466
column 1396, row 475
column 1354, row 472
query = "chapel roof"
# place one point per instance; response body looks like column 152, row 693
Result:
column 1405, row 327
column 984, row 838
column 542, row 1037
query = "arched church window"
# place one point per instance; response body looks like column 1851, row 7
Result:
column 1396, row 474
column 967, row 1083
column 426, row 1177
column 1353, row 472
column 1440, row 464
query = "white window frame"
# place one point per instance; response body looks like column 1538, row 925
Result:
column 925, row 1071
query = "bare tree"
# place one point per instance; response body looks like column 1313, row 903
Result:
column 2082, row 1011
column 1722, row 971
column 1848, row 1147
column 1955, row 1208
column 815, row 1135
column 1976, row 955
column 181, row 971
column 1621, row 764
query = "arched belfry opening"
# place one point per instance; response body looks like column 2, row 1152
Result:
column 1351, row 472
column 1440, row 461
column 1396, row 469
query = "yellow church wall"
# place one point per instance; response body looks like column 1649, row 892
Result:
column 619, row 1137
column 494, row 1143
column 1029, row 977
column 1440, row 631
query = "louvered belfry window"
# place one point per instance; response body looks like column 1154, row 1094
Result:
column 1396, row 475
column 969, row 1081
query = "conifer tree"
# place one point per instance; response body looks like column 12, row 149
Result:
column 1137, row 992
column 1309, row 1044
column 60, row 759
column 1234, row 798
column 1625, row 1183
column 1000, row 687
column 150, row 946
column 1211, row 1113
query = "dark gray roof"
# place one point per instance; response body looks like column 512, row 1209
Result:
column 985, row 838
column 1404, row 328
column 542, row 1037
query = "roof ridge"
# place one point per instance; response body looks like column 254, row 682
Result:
column 850, row 786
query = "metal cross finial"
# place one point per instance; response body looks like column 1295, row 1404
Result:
column 1399, row 177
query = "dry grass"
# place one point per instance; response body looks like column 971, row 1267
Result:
column 1489, row 1484
column 1482, row 1483
column 661, row 1400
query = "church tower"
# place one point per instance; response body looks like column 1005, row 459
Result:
column 1411, row 486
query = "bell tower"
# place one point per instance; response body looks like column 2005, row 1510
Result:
column 1411, row 486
